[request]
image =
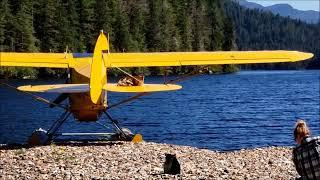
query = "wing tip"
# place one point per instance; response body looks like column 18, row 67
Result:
column 300, row 56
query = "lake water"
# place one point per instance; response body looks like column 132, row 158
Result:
column 219, row 112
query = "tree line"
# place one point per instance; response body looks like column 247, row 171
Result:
column 132, row 25
column 146, row 26
column 256, row 30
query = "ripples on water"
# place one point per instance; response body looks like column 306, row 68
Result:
column 221, row 112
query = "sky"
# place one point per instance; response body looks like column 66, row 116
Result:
column 297, row 4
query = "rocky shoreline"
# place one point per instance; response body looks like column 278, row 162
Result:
column 126, row 160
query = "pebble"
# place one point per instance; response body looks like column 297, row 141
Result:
column 125, row 160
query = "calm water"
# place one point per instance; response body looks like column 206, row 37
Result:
column 222, row 112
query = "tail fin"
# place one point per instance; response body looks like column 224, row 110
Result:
column 98, row 76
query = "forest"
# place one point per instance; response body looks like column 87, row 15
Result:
column 148, row 26
column 257, row 30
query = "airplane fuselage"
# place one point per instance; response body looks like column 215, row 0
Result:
column 81, row 106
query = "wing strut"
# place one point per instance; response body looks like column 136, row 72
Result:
column 179, row 79
column 128, row 74
column 56, row 125
column 38, row 98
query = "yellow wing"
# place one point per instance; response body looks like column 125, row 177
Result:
column 201, row 58
column 81, row 88
column 53, row 60
column 142, row 88
column 95, row 65
column 56, row 88
column 62, row 60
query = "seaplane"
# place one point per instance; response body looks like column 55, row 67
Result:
column 86, row 87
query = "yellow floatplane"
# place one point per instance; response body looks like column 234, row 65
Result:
column 87, row 86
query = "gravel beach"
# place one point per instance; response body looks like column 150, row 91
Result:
column 126, row 160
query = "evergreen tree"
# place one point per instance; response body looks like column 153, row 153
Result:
column 214, row 25
column 169, row 40
column 153, row 34
column 46, row 25
column 228, row 35
column 22, row 24
column 68, row 26
column 104, row 18
column 136, row 25
column 121, row 26
column 158, row 25
column 5, row 16
column 86, row 29
column 258, row 30
column 183, row 24
column 198, row 18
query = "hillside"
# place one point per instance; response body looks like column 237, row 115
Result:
column 285, row 10
column 135, row 26
column 258, row 30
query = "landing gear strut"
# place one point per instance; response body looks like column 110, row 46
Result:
column 43, row 137
column 122, row 133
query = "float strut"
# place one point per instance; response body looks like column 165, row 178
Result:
column 116, row 125
column 56, row 125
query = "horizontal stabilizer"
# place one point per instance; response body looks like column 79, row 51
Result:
column 142, row 88
column 56, row 88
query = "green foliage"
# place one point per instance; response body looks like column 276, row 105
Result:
column 228, row 33
column 68, row 25
column 5, row 15
column 86, row 29
column 214, row 26
column 137, row 21
column 258, row 30
column 139, row 25
column 18, row 72
column 24, row 39
column 46, row 25
column 121, row 24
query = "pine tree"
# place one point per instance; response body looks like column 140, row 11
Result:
column 153, row 34
column 136, row 25
column 214, row 25
column 5, row 15
column 228, row 35
column 23, row 38
column 169, row 40
column 68, row 25
column 46, row 25
column 104, row 18
column 183, row 24
column 198, row 18
column 86, row 26
column 121, row 26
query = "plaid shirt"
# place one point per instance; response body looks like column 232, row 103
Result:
column 306, row 158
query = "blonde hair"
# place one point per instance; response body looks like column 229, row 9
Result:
column 301, row 129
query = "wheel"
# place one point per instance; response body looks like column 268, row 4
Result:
column 39, row 137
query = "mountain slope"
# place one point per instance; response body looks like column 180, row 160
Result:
column 285, row 10
column 262, row 30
